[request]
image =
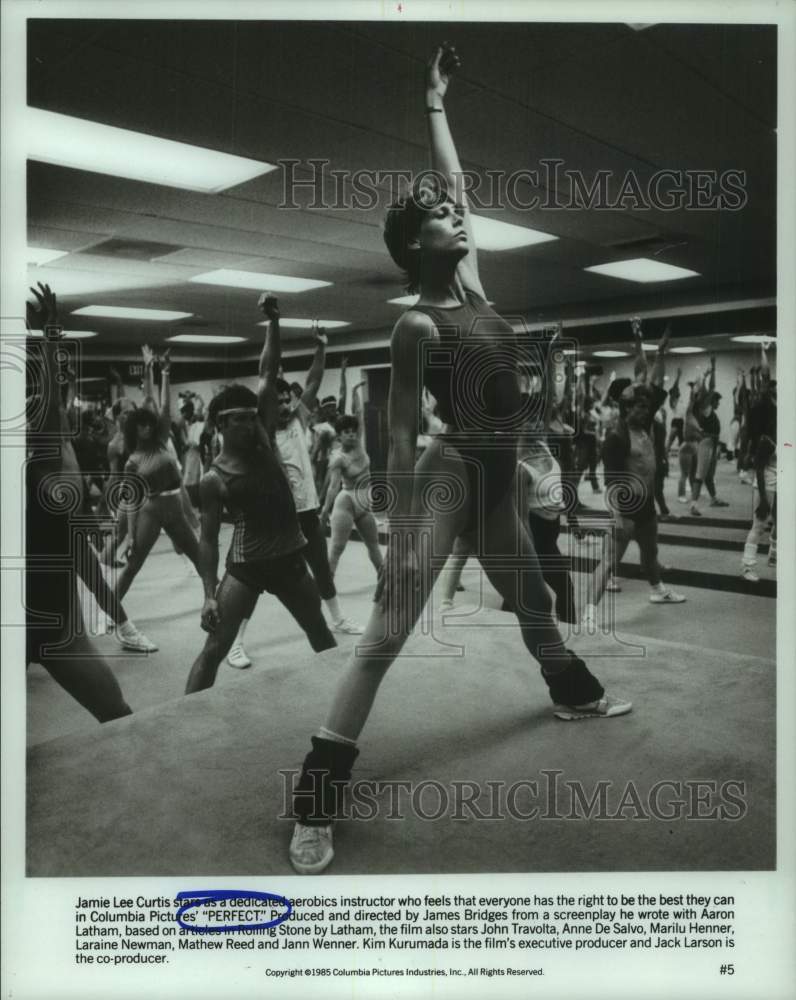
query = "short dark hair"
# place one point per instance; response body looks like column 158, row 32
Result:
column 187, row 408
column 116, row 409
column 402, row 226
column 634, row 394
column 297, row 388
column 138, row 417
column 282, row 386
column 230, row 397
column 329, row 401
column 347, row 422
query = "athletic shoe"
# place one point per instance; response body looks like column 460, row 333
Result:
column 695, row 512
column 613, row 587
column 745, row 479
column 311, row 848
column 129, row 637
column 602, row 709
column 665, row 517
column 682, row 500
column 461, row 587
column 237, row 657
column 715, row 502
column 749, row 575
column 666, row 597
column 446, row 604
column 347, row 627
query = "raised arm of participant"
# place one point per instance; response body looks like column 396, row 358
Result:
column 164, row 417
column 149, row 378
column 358, row 411
column 549, row 379
column 44, row 316
column 765, row 368
column 659, row 367
column 640, row 364
column 342, row 395
column 444, row 157
column 267, row 404
column 607, row 394
column 674, row 392
column 315, row 374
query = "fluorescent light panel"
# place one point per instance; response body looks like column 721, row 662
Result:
column 103, row 149
column 123, row 312
column 610, row 354
column 257, row 281
column 41, row 255
column 754, row 338
column 687, row 350
column 642, row 269
column 410, row 300
column 306, row 324
column 490, row 234
column 69, row 334
column 197, row 338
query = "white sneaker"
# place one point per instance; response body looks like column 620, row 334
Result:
column 347, row 627
column 603, row 708
column 311, row 848
column 666, row 597
column 749, row 575
column 446, row 604
column 129, row 637
column 237, row 657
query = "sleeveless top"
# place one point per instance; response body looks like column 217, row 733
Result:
column 158, row 468
column 472, row 370
column 261, row 504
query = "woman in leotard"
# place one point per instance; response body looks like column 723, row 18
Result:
column 147, row 432
column 347, row 502
column 466, row 355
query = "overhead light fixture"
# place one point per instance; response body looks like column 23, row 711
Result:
column 642, row 269
column 687, row 350
column 68, row 334
column 197, row 338
column 569, row 351
column 257, row 281
column 103, row 149
column 649, row 347
column 306, row 324
column 404, row 300
column 41, row 255
column 610, row 354
column 754, row 338
column 123, row 312
column 66, row 281
column 491, row 234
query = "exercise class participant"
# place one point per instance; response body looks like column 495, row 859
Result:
column 708, row 446
column 763, row 448
column 52, row 559
column 147, row 435
column 476, row 386
column 266, row 552
column 291, row 442
column 347, row 502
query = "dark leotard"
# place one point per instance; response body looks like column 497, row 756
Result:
column 472, row 373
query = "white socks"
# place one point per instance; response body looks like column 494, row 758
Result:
column 333, row 606
column 328, row 734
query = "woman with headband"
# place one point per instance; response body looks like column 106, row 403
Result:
column 266, row 552
column 452, row 342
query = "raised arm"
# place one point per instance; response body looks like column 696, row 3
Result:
column 315, row 374
column 765, row 368
column 267, row 404
column 674, row 392
column 640, row 364
column 549, row 379
column 44, row 316
column 342, row 395
column 659, row 368
column 164, row 416
column 359, row 413
column 211, row 501
column 444, row 157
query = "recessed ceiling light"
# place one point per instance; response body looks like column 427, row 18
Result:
column 122, row 312
column 306, row 324
column 569, row 352
column 66, row 281
column 68, row 334
column 610, row 354
column 103, row 149
column 642, row 269
column 41, row 255
column 197, row 338
column 649, row 347
column 490, row 234
column 687, row 350
column 754, row 338
column 257, row 281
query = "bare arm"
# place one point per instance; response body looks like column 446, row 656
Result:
column 357, row 410
column 659, row 368
column 444, row 157
column 549, row 380
column 164, row 417
column 45, row 316
column 342, row 395
column 335, row 481
column 315, row 374
column 149, row 379
column 269, row 363
column 640, row 364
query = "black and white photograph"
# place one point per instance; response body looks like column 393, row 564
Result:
column 395, row 449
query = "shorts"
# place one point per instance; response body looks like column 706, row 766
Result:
column 269, row 574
